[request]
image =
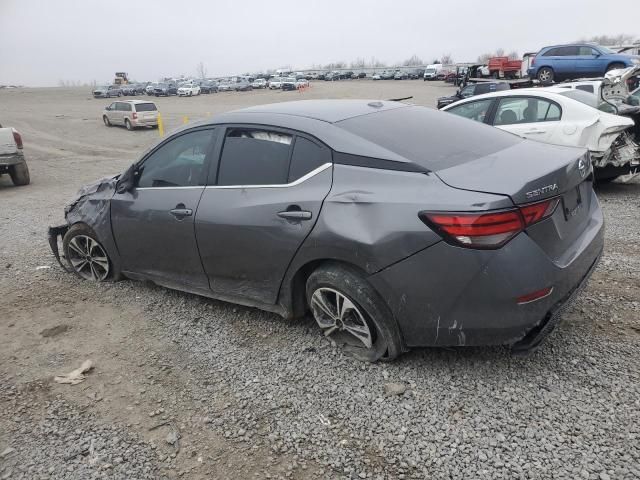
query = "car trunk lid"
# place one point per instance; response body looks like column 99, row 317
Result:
column 530, row 172
column 527, row 171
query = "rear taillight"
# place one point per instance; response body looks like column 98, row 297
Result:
column 17, row 138
column 487, row 230
column 134, row 115
column 533, row 61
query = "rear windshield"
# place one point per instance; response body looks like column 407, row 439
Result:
column 432, row 139
column 146, row 107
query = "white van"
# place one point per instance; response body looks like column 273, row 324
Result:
column 432, row 71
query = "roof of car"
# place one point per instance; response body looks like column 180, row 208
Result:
column 135, row 101
column 330, row 111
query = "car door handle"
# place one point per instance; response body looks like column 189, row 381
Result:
column 180, row 211
column 295, row 215
column 534, row 132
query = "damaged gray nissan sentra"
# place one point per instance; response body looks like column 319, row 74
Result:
column 397, row 226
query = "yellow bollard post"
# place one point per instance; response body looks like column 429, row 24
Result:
column 160, row 125
column 185, row 119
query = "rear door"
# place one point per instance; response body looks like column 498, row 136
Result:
column 530, row 117
column 153, row 225
column 562, row 60
column 259, row 208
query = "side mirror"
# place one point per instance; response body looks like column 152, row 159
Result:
column 127, row 180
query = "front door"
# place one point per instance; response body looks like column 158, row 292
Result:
column 153, row 224
column 265, row 201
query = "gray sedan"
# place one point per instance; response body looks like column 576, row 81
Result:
column 395, row 226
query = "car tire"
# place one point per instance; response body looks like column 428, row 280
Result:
column 615, row 66
column 127, row 123
column 20, row 174
column 545, row 75
column 334, row 284
column 106, row 121
column 86, row 256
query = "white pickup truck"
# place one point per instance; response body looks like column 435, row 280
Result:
column 12, row 158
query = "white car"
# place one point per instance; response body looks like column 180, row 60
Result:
column 302, row 83
column 552, row 117
column 275, row 83
column 259, row 83
column 189, row 90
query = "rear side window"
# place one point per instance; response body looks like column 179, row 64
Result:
column 146, row 107
column 307, row 156
column 586, row 88
column 254, row 157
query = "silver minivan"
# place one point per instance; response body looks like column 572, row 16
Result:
column 131, row 114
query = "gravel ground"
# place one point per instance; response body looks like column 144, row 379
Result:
column 186, row 387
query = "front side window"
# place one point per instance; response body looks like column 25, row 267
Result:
column 254, row 157
column 178, row 163
column 473, row 110
column 513, row 111
column 586, row 52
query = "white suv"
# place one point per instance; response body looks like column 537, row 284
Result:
column 131, row 114
column 188, row 90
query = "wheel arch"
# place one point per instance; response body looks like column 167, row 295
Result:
column 292, row 294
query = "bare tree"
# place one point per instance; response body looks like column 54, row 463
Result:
column 484, row 58
column 413, row 60
column 513, row 55
column 446, row 59
column 620, row 39
column 201, row 70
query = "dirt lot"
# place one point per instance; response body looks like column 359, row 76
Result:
column 185, row 387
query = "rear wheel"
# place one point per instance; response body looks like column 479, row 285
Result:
column 19, row 174
column 545, row 75
column 127, row 124
column 352, row 314
column 85, row 255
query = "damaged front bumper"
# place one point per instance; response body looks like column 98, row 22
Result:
column 55, row 235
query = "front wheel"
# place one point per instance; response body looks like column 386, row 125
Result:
column 545, row 75
column 20, row 174
column 350, row 312
column 85, row 255
column 106, row 121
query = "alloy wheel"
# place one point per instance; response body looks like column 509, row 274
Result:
column 88, row 258
column 337, row 314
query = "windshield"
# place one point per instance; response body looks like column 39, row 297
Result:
column 289, row 79
column 605, row 50
column 581, row 96
column 430, row 70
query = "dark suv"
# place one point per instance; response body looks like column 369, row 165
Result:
column 471, row 90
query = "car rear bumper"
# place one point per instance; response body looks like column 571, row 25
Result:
column 451, row 296
column 10, row 160
column 143, row 122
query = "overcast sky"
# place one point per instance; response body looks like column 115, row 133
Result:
column 43, row 42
